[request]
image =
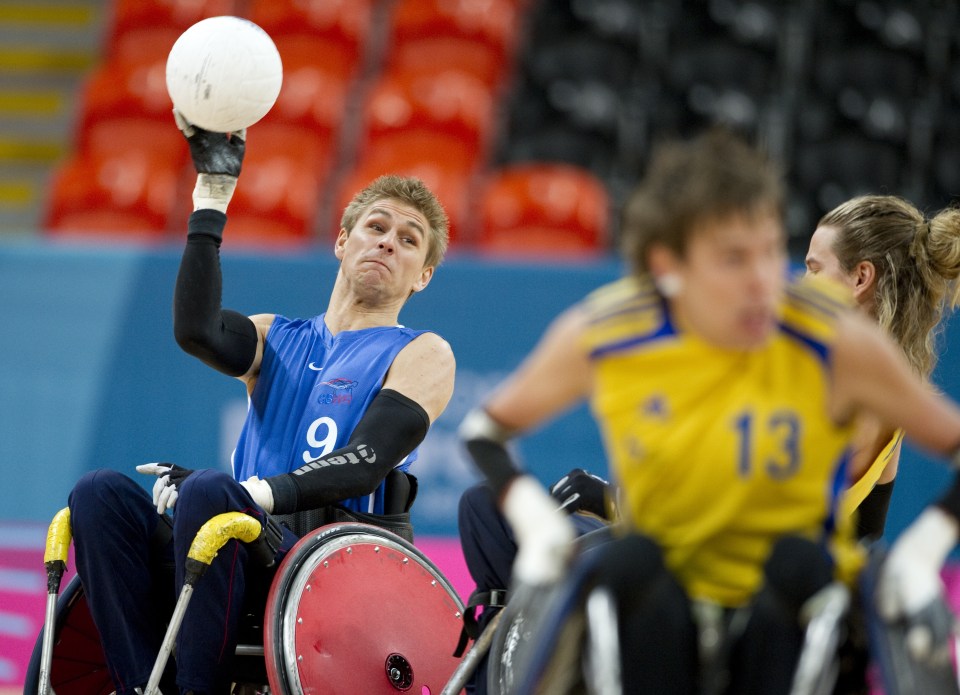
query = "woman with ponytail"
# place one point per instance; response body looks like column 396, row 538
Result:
column 902, row 268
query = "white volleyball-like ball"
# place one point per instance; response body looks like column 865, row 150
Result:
column 224, row 74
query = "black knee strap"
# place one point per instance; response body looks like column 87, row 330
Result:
column 495, row 598
column 264, row 549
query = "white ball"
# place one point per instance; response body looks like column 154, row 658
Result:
column 224, row 74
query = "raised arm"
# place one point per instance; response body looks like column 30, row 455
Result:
column 226, row 340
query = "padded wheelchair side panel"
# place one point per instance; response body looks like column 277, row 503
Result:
column 356, row 609
column 78, row 666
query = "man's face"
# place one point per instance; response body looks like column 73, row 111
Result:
column 385, row 252
column 731, row 279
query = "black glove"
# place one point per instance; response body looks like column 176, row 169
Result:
column 213, row 153
column 169, row 478
column 579, row 491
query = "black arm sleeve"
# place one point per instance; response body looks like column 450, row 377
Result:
column 391, row 428
column 224, row 339
column 495, row 462
column 872, row 512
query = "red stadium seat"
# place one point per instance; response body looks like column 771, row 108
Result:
column 408, row 148
column 303, row 50
column 343, row 23
column 131, row 15
column 161, row 142
column 127, row 194
column 143, row 44
column 434, row 55
column 317, row 79
column 494, row 22
column 543, row 209
column 279, row 193
column 450, row 105
column 120, row 90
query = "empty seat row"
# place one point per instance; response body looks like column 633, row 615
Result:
column 429, row 111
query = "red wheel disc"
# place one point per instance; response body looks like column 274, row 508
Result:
column 366, row 614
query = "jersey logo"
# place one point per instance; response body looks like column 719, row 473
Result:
column 340, row 383
column 656, row 407
column 314, row 367
column 342, row 391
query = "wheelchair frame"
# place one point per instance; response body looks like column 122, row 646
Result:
column 429, row 611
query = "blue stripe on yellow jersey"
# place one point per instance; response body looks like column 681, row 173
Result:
column 719, row 452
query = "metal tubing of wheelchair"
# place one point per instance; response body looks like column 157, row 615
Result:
column 249, row 650
column 603, row 672
column 468, row 665
column 55, row 555
column 153, row 685
column 46, row 653
column 211, row 537
column 816, row 671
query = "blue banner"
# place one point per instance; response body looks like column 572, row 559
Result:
column 90, row 375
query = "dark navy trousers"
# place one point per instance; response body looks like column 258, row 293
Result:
column 132, row 574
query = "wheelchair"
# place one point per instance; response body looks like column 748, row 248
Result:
column 312, row 637
column 563, row 640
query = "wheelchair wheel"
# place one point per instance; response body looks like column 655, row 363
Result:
column 543, row 638
column 78, row 666
column 356, row 609
column 531, row 617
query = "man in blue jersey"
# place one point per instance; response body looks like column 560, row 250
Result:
column 336, row 403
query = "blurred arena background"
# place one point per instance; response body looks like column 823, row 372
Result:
column 531, row 119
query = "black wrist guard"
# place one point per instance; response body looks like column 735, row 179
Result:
column 226, row 340
column 485, row 440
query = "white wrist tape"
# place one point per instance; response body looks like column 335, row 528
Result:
column 261, row 492
column 479, row 425
column 544, row 533
column 931, row 537
column 910, row 575
column 213, row 191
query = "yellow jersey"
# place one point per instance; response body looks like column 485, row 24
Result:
column 718, row 452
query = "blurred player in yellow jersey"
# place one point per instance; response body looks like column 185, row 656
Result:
column 901, row 268
column 726, row 397
column 709, row 444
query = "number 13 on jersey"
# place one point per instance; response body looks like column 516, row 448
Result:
column 777, row 434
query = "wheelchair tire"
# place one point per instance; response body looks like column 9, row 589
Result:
column 354, row 608
column 538, row 624
column 543, row 629
column 78, row 666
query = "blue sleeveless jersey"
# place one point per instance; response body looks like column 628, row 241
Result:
column 313, row 389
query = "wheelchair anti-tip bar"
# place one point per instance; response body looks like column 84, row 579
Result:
column 55, row 555
column 458, row 681
column 211, row 537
